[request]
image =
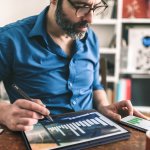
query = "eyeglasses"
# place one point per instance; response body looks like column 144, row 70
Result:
column 83, row 9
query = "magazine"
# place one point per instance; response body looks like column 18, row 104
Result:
column 77, row 130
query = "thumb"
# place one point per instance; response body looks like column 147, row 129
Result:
column 115, row 116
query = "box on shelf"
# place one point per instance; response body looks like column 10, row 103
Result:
column 138, row 50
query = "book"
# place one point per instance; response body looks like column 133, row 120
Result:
column 124, row 89
column 135, row 8
column 121, row 87
column 128, row 89
column 76, row 130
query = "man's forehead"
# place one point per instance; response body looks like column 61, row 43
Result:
column 87, row 1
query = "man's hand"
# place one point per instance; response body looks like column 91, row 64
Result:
column 123, row 108
column 22, row 114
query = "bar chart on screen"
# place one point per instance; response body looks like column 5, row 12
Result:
column 75, row 130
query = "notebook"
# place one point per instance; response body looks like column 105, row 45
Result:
column 77, row 130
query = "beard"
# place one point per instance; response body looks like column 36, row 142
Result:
column 68, row 26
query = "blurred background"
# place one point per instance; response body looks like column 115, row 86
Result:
column 124, row 34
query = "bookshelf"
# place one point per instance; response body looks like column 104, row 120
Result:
column 116, row 26
column 138, row 27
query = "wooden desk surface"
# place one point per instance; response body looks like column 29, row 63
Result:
column 13, row 141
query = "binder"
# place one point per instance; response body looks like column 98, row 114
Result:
column 76, row 130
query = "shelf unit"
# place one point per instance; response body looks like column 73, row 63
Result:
column 115, row 26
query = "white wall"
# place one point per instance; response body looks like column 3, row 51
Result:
column 13, row 10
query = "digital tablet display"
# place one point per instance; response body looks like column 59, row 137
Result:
column 70, row 130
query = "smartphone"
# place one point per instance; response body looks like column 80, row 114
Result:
column 136, row 122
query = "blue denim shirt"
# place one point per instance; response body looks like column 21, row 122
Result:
column 33, row 61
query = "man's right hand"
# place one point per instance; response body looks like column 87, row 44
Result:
column 22, row 114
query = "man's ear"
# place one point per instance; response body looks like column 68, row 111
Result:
column 54, row 2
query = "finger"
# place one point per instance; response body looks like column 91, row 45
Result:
column 21, row 127
column 29, row 114
column 25, row 104
column 27, row 121
column 139, row 114
column 38, row 101
column 19, row 112
column 113, row 116
column 125, row 104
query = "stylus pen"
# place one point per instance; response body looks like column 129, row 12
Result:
column 24, row 95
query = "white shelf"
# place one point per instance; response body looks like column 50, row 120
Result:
column 125, row 71
column 136, row 21
column 104, row 22
column 143, row 109
column 111, row 79
column 108, row 50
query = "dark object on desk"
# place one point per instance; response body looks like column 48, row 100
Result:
column 78, row 130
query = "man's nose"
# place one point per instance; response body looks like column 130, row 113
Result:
column 89, row 17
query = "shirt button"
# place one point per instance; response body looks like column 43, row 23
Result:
column 70, row 84
column 71, row 64
column 74, row 60
column 73, row 102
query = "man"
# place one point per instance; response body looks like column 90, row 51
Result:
column 54, row 58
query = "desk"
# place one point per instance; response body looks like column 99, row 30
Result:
column 13, row 141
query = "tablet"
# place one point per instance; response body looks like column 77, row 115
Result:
column 137, row 123
column 75, row 130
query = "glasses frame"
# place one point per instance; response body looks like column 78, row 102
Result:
column 104, row 4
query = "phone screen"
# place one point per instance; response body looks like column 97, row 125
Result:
column 136, row 122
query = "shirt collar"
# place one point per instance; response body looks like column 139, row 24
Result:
column 39, row 29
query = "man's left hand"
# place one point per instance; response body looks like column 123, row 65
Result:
column 120, row 109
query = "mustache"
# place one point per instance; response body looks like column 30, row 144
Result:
column 81, row 24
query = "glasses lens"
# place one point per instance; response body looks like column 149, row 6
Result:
column 82, row 11
column 99, row 10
